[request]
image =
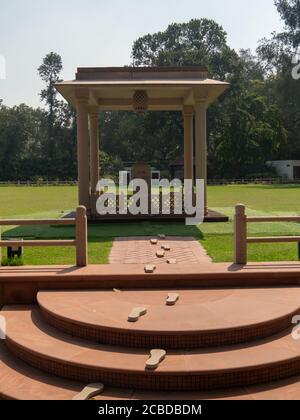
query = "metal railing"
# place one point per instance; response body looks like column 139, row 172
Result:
column 80, row 243
column 241, row 240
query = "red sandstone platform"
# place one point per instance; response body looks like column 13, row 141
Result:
column 201, row 318
column 40, row 345
column 19, row 381
column 19, row 285
column 238, row 337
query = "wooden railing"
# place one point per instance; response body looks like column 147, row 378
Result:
column 241, row 240
column 80, row 243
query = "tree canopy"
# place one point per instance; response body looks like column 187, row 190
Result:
column 256, row 120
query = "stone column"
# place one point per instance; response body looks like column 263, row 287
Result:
column 188, row 113
column 201, row 145
column 94, row 147
column 83, row 149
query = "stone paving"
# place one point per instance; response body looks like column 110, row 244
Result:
column 139, row 250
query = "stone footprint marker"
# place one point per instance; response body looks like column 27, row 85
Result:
column 172, row 299
column 166, row 247
column 136, row 313
column 156, row 357
column 149, row 269
column 160, row 254
column 89, row 392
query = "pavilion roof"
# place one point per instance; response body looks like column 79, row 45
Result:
column 168, row 88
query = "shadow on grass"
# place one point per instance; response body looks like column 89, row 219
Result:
column 106, row 231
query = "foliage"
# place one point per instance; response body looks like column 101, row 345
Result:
column 200, row 41
column 12, row 262
column 39, row 143
column 110, row 166
column 245, row 127
column 277, row 55
column 256, row 120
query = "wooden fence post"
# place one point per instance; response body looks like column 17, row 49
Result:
column 240, row 235
column 81, row 237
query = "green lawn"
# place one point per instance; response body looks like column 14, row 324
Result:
column 41, row 202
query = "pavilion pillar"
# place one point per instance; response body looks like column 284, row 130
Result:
column 94, row 148
column 94, row 155
column 188, row 114
column 83, row 149
column 201, row 145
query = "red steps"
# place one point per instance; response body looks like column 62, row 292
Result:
column 201, row 318
column 42, row 346
column 19, row 381
column 42, row 357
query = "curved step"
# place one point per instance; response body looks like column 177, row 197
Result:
column 19, row 381
column 201, row 318
column 40, row 345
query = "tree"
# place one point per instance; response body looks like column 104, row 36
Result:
column 256, row 120
column 60, row 122
column 250, row 133
column 241, row 130
column 199, row 42
column 49, row 72
column 277, row 55
column 22, row 138
column 289, row 11
column 244, row 126
column 158, row 137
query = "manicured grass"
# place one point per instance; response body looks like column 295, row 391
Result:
column 36, row 201
column 98, row 254
column 217, row 238
column 266, row 198
column 220, row 247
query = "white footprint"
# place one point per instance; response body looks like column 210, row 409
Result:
column 172, row 299
column 136, row 313
column 89, row 392
column 156, row 357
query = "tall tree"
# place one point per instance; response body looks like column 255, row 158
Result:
column 60, row 123
column 22, row 138
column 277, row 55
column 199, row 42
column 241, row 123
column 158, row 137
column 49, row 72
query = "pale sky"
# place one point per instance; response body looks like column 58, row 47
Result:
column 101, row 33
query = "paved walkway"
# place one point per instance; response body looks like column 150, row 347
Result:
column 139, row 250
